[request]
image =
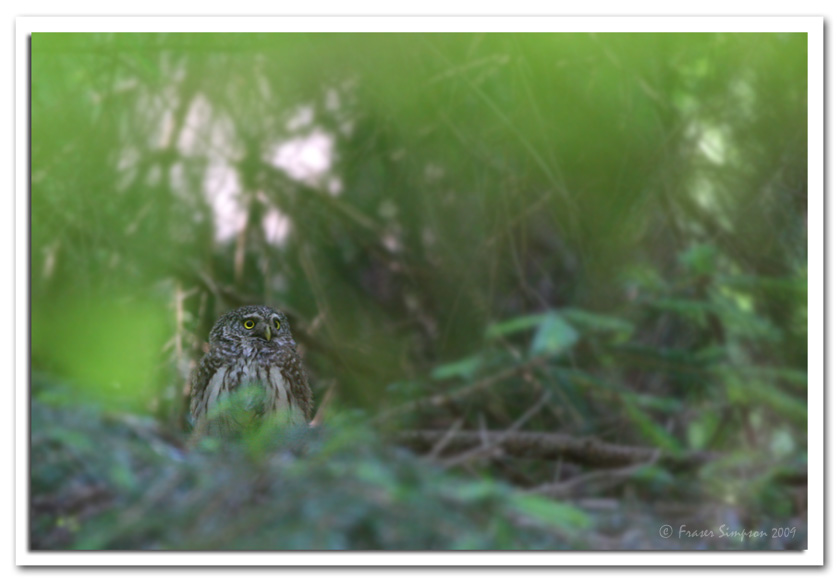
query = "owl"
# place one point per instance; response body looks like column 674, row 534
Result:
column 252, row 347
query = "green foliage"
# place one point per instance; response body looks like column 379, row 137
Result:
column 110, row 350
column 464, row 369
column 338, row 488
column 514, row 325
column 551, row 513
column 554, row 335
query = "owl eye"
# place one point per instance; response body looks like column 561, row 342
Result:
column 249, row 324
column 277, row 324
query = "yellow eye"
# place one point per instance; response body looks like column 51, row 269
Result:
column 277, row 324
column 249, row 324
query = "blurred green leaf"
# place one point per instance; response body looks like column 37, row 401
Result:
column 788, row 406
column 479, row 490
column 553, row 336
column 596, row 322
column 515, row 325
column 701, row 429
column 700, row 259
column 552, row 513
column 108, row 350
column 651, row 430
column 465, row 369
column 782, row 443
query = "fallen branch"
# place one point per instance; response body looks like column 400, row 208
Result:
column 591, row 480
column 552, row 446
column 488, row 445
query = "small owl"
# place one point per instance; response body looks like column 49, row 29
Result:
column 252, row 347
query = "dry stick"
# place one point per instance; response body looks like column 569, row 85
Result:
column 553, row 446
column 226, row 293
column 179, row 321
column 318, row 419
column 492, row 443
column 311, row 274
column 482, row 427
column 563, row 488
column 239, row 255
column 441, row 444
column 443, row 399
column 182, row 365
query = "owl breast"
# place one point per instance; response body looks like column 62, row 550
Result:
column 260, row 368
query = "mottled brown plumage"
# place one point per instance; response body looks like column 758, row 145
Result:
column 252, row 346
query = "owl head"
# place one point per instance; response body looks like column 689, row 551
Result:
column 253, row 324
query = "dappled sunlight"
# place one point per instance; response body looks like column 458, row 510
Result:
column 224, row 192
column 276, row 226
column 307, row 159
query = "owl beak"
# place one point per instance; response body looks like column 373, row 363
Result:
column 268, row 333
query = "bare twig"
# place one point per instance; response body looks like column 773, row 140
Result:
column 610, row 476
column 445, row 399
column 441, row 444
column 328, row 397
column 553, row 446
column 492, row 443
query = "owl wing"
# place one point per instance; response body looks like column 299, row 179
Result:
column 205, row 383
column 291, row 368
